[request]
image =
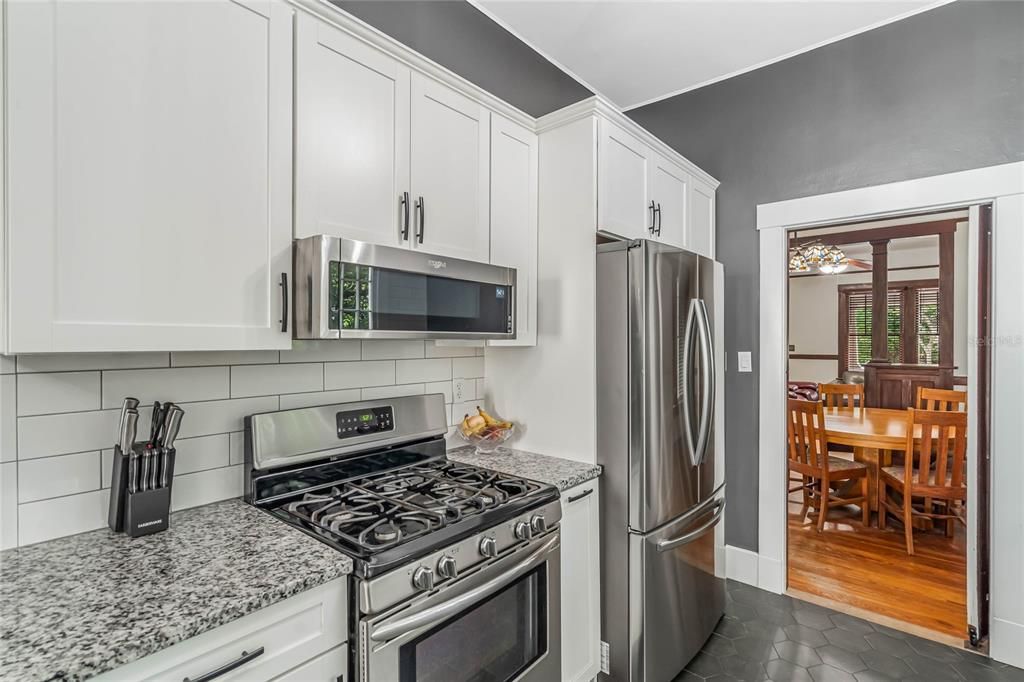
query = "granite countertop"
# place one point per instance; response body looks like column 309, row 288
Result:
column 564, row 473
column 78, row 606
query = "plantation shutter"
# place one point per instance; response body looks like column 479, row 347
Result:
column 927, row 325
column 894, row 325
column 858, row 341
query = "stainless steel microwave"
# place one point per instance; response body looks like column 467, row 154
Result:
column 346, row 289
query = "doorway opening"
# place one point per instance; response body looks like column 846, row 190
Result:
column 885, row 497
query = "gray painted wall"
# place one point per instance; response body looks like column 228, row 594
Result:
column 940, row 92
column 460, row 37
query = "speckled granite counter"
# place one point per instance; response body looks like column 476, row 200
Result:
column 78, row 606
column 564, row 473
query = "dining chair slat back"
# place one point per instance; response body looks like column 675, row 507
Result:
column 842, row 395
column 941, row 399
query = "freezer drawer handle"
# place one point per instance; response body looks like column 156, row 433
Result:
column 665, row 545
column 577, row 498
column 228, row 667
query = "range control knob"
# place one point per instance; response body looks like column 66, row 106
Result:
column 538, row 524
column 447, row 568
column 523, row 531
column 488, row 548
column 423, row 578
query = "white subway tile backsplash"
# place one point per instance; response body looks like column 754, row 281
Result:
column 39, row 479
column 71, row 362
column 295, row 400
column 213, row 358
column 179, row 385
column 358, row 374
column 58, row 414
column 467, row 368
column 444, row 387
column 253, row 380
column 412, row 371
column 8, row 505
column 322, row 351
column 204, row 487
column 236, row 447
column 393, row 350
column 199, row 454
column 54, row 518
column 392, row 391
column 58, row 392
column 8, row 418
column 222, row 416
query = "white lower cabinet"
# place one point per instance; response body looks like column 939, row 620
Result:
column 581, row 583
column 299, row 638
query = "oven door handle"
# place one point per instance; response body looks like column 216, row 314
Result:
column 453, row 606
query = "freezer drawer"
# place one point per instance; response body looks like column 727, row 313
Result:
column 680, row 599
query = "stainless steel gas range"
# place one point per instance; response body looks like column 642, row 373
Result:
column 456, row 567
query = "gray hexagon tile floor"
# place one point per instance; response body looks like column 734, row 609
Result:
column 766, row 636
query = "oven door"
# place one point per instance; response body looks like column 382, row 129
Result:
column 499, row 624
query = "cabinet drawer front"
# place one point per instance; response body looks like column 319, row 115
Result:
column 329, row 667
column 289, row 633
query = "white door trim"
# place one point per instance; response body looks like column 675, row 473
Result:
column 996, row 184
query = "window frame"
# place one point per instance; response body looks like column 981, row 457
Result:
column 908, row 313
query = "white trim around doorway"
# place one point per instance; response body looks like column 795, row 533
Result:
column 1001, row 185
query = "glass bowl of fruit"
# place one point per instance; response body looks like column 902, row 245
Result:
column 485, row 431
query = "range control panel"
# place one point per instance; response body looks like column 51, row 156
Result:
column 363, row 422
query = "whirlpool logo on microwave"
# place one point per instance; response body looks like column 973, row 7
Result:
column 437, row 264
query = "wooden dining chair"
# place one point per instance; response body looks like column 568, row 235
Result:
column 941, row 400
column 808, row 457
column 842, row 395
column 939, row 474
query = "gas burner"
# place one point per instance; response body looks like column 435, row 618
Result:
column 385, row 532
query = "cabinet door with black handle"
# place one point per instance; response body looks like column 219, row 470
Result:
column 669, row 185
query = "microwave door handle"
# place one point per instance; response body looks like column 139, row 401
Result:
column 666, row 545
column 707, row 376
column 683, row 388
column 457, row 604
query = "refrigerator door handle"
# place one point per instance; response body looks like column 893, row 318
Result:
column 666, row 545
column 707, row 375
column 684, row 381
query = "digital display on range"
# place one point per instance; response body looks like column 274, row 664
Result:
column 364, row 422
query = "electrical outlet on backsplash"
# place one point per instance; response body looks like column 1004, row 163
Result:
column 58, row 415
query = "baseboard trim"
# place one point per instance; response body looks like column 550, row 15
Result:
column 771, row 574
column 1006, row 642
column 741, row 565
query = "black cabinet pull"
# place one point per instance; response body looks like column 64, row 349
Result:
column 422, row 222
column 227, row 667
column 404, row 203
column 657, row 212
column 577, row 498
column 284, row 301
column 651, row 208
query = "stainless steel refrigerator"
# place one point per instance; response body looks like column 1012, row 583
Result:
column 656, row 389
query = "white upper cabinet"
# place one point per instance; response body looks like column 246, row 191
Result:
column 149, row 175
column 700, row 230
column 450, row 168
column 514, row 218
column 669, row 186
column 623, row 203
column 352, row 137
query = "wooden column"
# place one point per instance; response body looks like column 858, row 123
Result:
column 946, row 270
column 879, row 300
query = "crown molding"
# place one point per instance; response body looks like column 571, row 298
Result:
column 325, row 11
column 599, row 106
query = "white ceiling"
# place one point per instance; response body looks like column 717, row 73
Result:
column 637, row 51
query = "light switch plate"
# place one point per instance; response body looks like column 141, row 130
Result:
column 743, row 361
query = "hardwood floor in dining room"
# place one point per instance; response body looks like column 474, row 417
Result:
column 870, row 569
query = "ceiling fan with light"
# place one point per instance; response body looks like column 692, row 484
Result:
column 829, row 260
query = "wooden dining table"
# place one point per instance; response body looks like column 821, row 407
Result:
column 873, row 433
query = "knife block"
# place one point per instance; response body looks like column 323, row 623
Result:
column 144, row 511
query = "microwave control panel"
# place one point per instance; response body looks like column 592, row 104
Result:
column 362, row 422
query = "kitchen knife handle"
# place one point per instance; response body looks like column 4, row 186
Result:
column 284, row 301
column 173, row 424
column 154, row 422
column 127, row 449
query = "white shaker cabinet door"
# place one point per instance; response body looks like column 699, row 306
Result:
column 351, row 137
column 514, row 218
column 450, row 169
column 669, row 185
column 149, row 175
column 624, row 204
column 581, row 583
column 700, row 233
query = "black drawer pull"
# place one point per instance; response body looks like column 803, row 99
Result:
column 406, row 210
column 420, row 208
column 577, row 498
column 227, row 667
column 284, row 301
column 653, row 218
